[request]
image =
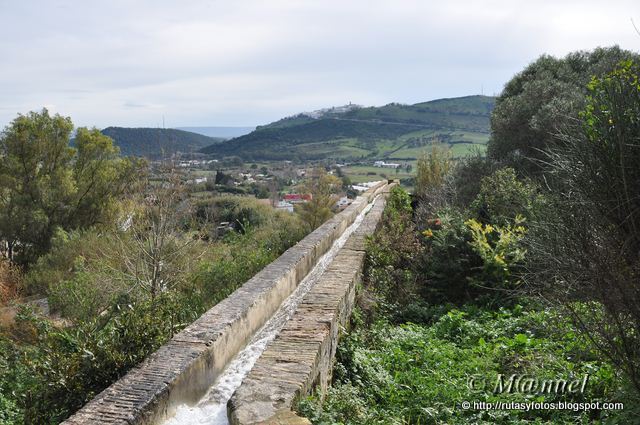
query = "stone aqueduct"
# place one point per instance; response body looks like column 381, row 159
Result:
column 296, row 361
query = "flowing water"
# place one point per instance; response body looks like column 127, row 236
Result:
column 212, row 409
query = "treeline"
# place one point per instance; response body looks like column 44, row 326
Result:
column 125, row 258
column 524, row 262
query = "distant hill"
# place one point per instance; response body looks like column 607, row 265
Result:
column 156, row 143
column 219, row 132
column 393, row 131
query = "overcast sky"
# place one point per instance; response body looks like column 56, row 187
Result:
column 207, row 62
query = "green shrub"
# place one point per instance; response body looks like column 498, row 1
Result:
column 240, row 210
column 449, row 259
column 420, row 375
column 82, row 296
column 13, row 380
column 399, row 201
column 392, row 251
column 501, row 251
column 467, row 176
column 69, row 366
column 503, row 197
column 59, row 264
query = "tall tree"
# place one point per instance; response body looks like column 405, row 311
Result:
column 539, row 102
column 587, row 247
column 46, row 183
column 322, row 188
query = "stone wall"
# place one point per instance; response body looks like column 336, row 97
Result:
column 182, row 370
column 301, row 357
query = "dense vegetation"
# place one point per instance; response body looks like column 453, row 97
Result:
column 124, row 253
column 364, row 132
column 501, row 266
column 156, row 143
column 113, row 314
column 542, row 102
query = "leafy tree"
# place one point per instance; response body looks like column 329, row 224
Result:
column 467, row 176
column 100, row 176
column 537, row 103
column 36, row 181
column 586, row 245
column 322, row 188
column 223, row 179
column 45, row 183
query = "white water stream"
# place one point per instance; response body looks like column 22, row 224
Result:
column 212, row 409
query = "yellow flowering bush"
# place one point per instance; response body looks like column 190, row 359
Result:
column 499, row 247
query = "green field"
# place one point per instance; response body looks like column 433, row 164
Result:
column 393, row 131
column 404, row 148
column 365, row 173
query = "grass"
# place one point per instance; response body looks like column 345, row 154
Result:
column 344, row 148
column 362, row 173
column 419, row 374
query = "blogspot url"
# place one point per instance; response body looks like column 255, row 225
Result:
column 529, row 406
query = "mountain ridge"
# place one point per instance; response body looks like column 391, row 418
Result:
column 154, row 143
column 364, row 132
column 222, row 132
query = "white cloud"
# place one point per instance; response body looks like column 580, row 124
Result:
column 205, row 62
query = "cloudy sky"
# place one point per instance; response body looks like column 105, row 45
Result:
column 209, row 62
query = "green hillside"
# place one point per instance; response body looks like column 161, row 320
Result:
column 156, row 142
column 393, row 131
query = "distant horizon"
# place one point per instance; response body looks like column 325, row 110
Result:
column 182, row 127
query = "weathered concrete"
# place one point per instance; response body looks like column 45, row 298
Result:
column 301, row 356
column 182, row 370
